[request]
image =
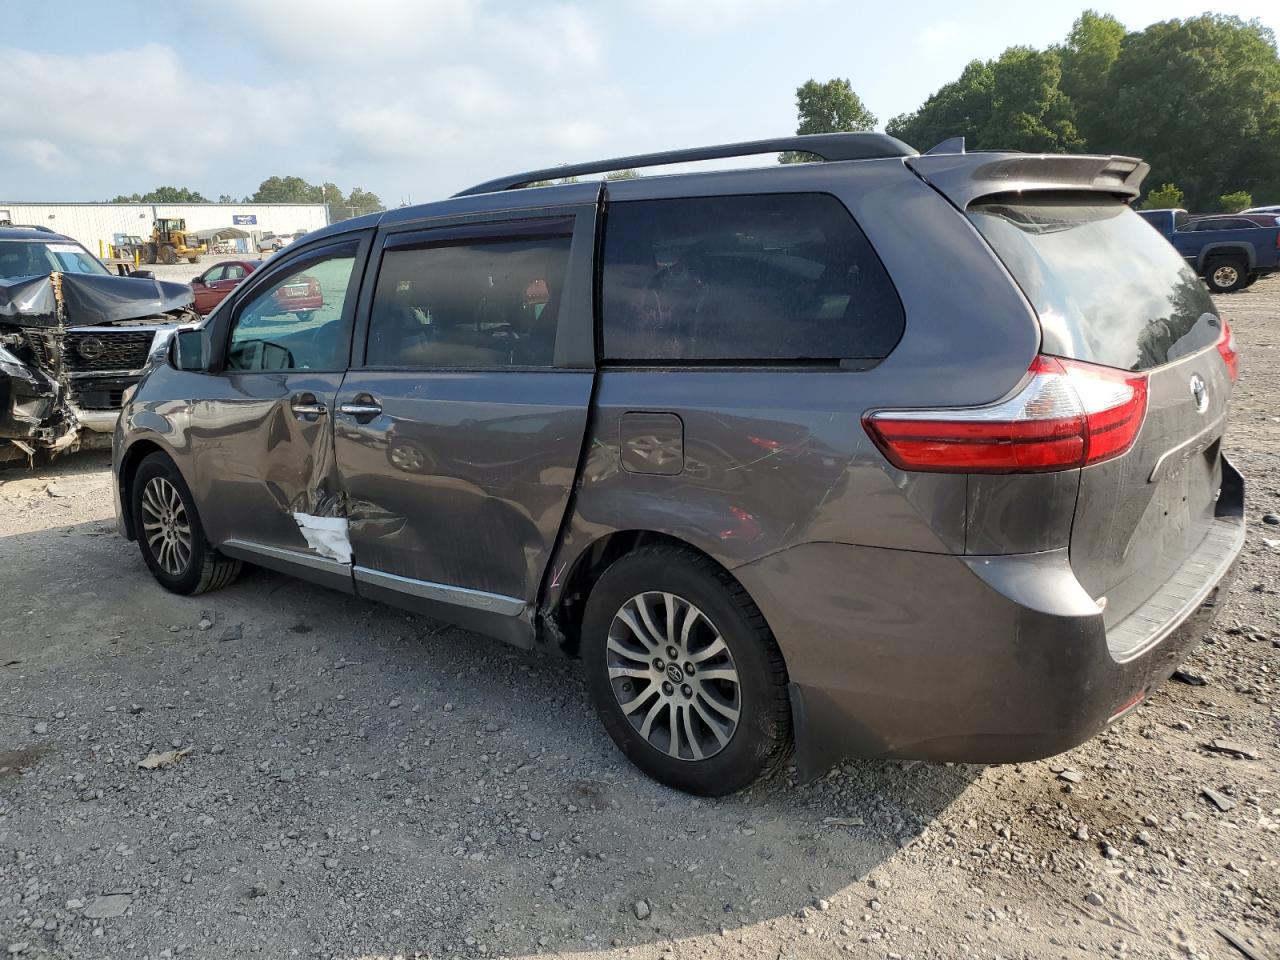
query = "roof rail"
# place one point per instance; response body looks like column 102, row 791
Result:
column 824, row 146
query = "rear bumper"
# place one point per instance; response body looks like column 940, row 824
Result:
column 974, row 659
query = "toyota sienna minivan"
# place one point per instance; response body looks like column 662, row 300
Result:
column 880, row 455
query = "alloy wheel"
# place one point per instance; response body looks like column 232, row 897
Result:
column 166, row 526
column 674, row 676
column 1225, row 276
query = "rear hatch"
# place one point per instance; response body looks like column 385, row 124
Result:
column 1111, row 291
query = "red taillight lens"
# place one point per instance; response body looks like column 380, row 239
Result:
column 1227, row 347
column 1066, row 414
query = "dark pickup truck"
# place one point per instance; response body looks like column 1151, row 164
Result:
column 1229, row 251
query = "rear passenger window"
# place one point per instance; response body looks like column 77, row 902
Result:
column 771, row 277
column 485, row 303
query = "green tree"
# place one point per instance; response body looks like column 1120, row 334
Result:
column 1029, row 111
column 226, row 198
column 830, row 107
column 1164, row 197
column 163, row 195
column 630, row 173
column 961, row 108
column 359, row 202
column 285, row 190
column 1091, row 50
column 1235, row 202
column 1199, row 100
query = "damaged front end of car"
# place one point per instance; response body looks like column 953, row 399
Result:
column 70, row 347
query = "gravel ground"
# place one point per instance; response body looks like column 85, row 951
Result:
column 362, row 783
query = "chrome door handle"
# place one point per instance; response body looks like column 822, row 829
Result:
column 310, row 409
column 361, row 409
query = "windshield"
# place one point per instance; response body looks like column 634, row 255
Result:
column 1108, row 288
column 33, row 258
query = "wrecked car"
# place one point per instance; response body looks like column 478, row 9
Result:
column 73, row 338
column 881, row 455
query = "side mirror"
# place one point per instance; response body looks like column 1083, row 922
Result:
column 187, row 351
column 197, row 281
column 144, row 274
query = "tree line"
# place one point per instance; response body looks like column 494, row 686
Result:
column 275, row 190
column 1198, row 99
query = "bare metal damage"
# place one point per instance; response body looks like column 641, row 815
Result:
column 37, row 412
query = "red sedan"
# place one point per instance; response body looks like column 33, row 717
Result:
column 301, row 295
column 219, row 280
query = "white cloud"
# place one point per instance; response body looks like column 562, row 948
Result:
column 325, row 30
column 39, row 153
column 940, row 37
column 708, row 14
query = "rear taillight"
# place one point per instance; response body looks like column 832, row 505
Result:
column 1227, row 347
column 1066, row 414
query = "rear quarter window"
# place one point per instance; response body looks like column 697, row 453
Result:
column 743, row 278
column 1107, row 288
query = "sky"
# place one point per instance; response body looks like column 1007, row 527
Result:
column 417, row 99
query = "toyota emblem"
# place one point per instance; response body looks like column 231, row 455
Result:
column 90, row 348
column 1199, row 392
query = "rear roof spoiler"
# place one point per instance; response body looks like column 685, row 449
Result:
column 965, row 177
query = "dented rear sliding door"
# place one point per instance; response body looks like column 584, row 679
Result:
column 460, row 425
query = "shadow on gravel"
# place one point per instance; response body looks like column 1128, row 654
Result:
column 394, row 785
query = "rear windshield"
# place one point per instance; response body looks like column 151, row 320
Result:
column 1107, row 287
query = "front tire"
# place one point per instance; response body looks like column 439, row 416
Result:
column 170, row 535
column 714, row 717
column 1226, row 275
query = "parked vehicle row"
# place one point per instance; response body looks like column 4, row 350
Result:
column 723, row 437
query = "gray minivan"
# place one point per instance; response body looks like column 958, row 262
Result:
column 881, row 455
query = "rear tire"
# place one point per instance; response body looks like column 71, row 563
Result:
column 170, row 535
column 711, row 730
column 168, row 255
column 1226, row 274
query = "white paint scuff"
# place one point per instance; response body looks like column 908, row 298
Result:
column 327, row 536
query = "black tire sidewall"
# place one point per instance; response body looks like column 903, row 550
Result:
column 158, row 465
column 761, row 733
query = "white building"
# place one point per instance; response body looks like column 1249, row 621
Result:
column 96, row 224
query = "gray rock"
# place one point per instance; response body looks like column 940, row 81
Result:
column 1233, row 748
column 205, row 623
column 1082, row 833
column 1071, row 776
column 557, row 883
column 1271, row 519
column 258, row 890
column 641, row 909
column 40, row 729
column 1094, row 899
column 112, row 905
column 19, row 947
column 1223, row 803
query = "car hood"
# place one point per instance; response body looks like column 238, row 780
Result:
column 90, row 299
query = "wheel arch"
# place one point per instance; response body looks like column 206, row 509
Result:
column 560, row 616
column 1230, row 250
column 138, row 451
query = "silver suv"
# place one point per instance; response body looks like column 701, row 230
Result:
column 883, row 455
